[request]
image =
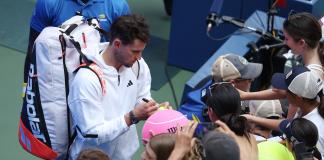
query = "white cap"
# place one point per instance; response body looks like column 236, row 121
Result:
column 266, row 108
column 300, row 81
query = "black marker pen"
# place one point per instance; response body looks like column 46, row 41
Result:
column 145, row 100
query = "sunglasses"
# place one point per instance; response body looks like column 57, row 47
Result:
column 208, row 90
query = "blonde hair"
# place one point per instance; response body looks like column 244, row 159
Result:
column 197, row 151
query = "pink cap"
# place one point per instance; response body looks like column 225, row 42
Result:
column 163, row 121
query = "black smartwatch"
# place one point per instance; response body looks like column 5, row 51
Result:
column 132, row 118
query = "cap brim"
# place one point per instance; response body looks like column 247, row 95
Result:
column 284, row 127
column 252, row 71
column 278, row 81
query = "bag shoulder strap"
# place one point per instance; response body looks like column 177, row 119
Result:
column 136, row 69
column 98, row 72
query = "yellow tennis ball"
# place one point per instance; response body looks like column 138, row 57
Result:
column 162, row 107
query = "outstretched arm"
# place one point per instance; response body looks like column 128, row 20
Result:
column 268, row 94
column 268, row 123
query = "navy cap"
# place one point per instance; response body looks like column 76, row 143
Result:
column 300, row 81
column 285, row 128
column 282, row 81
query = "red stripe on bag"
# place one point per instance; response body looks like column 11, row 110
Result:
column 33, row 145
column 100, row 74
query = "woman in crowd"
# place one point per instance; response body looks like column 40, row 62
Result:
column 224, row 104
column 302, row 34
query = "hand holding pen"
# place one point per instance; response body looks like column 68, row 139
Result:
column 160, row 106
column 143, row 110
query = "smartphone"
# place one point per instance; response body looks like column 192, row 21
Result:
column 203, row 128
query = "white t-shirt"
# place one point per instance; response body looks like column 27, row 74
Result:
column 261, row 139
column 316, row 68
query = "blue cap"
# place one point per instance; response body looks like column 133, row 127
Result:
column 285, row 128
column 300, row 81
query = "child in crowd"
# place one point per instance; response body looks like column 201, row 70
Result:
column 301, row 137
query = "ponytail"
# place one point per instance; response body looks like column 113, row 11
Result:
column 317, row 153
column 238, row 124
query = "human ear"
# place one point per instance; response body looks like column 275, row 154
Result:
column 117, row 43
column 211, row 114
column 302, row 42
